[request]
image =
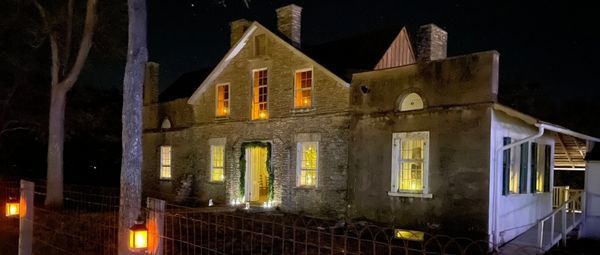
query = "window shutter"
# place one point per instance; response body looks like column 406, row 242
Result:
column 547, row 165
column 505, row 166
column 524, row 165
column 534, row 163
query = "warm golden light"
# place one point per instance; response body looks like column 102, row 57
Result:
column 409, row 235
column 138, row 237
column 262, row 115
column 12, row 209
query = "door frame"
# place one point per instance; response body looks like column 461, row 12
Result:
column 268, row 145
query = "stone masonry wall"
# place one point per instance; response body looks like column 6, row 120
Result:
column 329, row 118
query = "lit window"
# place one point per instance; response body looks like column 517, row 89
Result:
column 222, row 100
column 260, row 92
column 540, row 167
column 308, row 154
column 303, row 89
column 515, row 167
column 410, row 162
column 217, row 159
column 165, row 162
column 411, row 102
column 260, row 45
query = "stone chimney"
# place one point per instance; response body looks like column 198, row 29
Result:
column 238, row 28
column 289, row 20
column 433, row 43
column 151, row 83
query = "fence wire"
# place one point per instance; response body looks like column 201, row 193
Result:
column 88, row 224
column 205, row 231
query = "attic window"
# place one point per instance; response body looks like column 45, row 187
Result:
column 411, row 102
column 166, row 123
column 260, row 45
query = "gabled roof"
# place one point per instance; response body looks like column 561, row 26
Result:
column 240, row 45
column 339, row 58
column 354, row 54
column 185, row 85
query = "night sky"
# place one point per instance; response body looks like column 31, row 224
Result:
column 554, row 44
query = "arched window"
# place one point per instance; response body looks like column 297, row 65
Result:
column 411, row 102
column 166, row 124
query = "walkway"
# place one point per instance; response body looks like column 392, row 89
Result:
column 526, row 243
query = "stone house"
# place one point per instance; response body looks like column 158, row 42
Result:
column 371, row 126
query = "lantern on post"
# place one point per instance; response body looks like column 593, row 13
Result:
column 12, row 207
column 138, row 236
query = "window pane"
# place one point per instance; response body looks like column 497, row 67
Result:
column 217, row 155
column 260, row 95
column 411, row 176
column 165, row 162
column 411, row 166
column 303, row 89
column 308, row 164
column 222, row 100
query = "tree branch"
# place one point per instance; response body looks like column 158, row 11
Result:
column 5, row 131
column 69, row 28
column 84, row 48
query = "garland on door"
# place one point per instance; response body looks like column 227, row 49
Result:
column 255, row 144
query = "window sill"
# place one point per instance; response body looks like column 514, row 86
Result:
column 306, row 188
column 217, row 182
column 303, row 110
column 406, row 194
column 217, row 118
column 165, row 179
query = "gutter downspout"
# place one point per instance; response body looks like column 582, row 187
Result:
column 495, row 233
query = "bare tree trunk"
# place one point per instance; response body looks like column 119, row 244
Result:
column 56, row 135
column 59, row 88
column 131, row 165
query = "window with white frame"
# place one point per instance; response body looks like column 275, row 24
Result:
column 217, row 165
column 222, row 109
column 410, row 163
column 165, row 162
column 303, row 88
column 260, row 91
column 307, row 163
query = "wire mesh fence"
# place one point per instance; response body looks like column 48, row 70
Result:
column 88, row 224
column 202, row 231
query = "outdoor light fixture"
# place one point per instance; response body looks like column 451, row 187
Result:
column 247, row 207
column 138, row 236
column 210, row 202
column 409, row 235
column 12, row 207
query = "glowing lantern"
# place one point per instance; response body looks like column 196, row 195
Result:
column 138, row 236
column 263, row 115
column 12, row 207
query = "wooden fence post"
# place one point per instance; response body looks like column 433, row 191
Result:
column 26, row 218
column 155, row 225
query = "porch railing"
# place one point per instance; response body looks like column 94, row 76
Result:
column 562, row 194
column 569, row 218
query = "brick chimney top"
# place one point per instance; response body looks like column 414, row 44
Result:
column 238, row 28
column 433, row 43
column 289, row 19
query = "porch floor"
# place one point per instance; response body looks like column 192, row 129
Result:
column 526, row 243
